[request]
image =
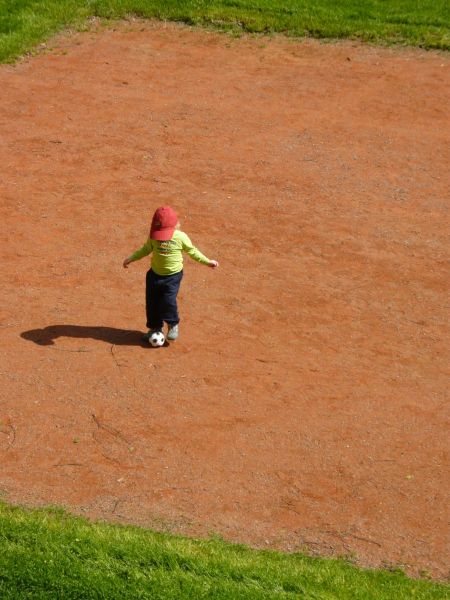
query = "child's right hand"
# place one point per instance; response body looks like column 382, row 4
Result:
column 126, row 262
column 213, row 264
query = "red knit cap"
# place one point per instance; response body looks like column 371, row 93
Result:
column 163, row 223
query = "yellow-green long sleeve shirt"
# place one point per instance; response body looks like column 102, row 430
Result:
column 167, row 257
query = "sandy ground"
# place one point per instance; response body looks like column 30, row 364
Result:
column 304, row 405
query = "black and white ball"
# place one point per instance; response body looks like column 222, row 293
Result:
column 156, row 339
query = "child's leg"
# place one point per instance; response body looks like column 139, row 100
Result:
column 169, row 309
column 153, row 301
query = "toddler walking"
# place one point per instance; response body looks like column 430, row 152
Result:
column 166, row 243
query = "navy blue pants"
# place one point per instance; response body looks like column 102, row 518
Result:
column 161, row 299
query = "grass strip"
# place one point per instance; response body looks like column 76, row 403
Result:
column 49, row 554
column 424, row 23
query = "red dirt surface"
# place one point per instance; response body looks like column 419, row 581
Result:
column 304, row 405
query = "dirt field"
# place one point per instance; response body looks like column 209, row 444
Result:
column 304, row 405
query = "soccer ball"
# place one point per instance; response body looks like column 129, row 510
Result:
column 157, row 339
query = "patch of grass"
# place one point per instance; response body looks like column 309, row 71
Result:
column 26, row 23
column 425, row 23
column 48, row 554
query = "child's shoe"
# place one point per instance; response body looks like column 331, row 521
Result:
column 146, row 336
column 172, row 334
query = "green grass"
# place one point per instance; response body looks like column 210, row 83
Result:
column 48, row 554
column 425, row 23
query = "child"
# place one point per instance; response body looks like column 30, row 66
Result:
column 166, row 243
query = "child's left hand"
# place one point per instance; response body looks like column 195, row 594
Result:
column 213, row 264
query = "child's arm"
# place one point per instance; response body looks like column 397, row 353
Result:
column 144, row 251
column 194, row 253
